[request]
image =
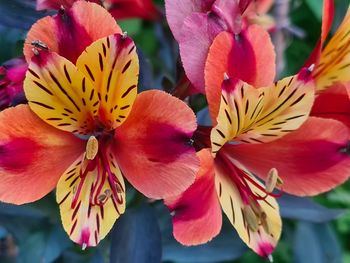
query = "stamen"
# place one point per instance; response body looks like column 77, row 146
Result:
column 272, row 181
column 311, row 68
column 91, row 148
column 226, row 77
column 270, row 258
column 83, row 246
column 251, row 218
column 264, row 223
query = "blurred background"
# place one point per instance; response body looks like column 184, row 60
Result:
column 315, row 230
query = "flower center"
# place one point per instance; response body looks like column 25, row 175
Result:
column 253, row 213
column 99, row 163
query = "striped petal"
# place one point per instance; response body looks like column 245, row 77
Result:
column 258, row 223
column 111, row 64
column 334, row 64
column 249, row 115
column 88, row 206
column 61, row 95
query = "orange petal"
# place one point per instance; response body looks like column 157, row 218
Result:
column 241, row 57
column 33, row 155
column 197, row 212
column 60, row 94
column 153, row 145
column 112, row 66
column 70, row 33
column 252, row 115
column 88, row 206
column 258, row 223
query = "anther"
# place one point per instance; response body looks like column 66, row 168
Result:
column 91, row 148
column 173, row 213
column 35, row 51
column 124, row 35
column 102, row 198
column 264, row 223
column 39, row 44
column 251, row 218
column 226, row 77
column 83, row 246
column 311, row 68
column 270, row 258
column 272, row 180
column 119, row 188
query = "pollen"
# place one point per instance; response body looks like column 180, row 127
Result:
column 91, row 148
column 272, row 180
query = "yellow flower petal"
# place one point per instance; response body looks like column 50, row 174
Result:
column 334, row 64
column 88, row 206
column 111, row 64
column 249, row 115
column 259, row 223
column 59, row 94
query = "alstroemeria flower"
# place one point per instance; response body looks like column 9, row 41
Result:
column 120, row 9
column 11, row 84
column 247, row 115
column 84, row 129
column 332, row 69
column 195, row 25
column 263, row 132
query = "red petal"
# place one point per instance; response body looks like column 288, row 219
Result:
column 240, row 57
column 333, row 103
column 152, row 145
column 70, row 33
column 33, row 155
column 310, row 160
column 121, row 9
column 198, row 216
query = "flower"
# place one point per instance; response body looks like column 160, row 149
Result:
column 120, row 9
column 84, row 128
column 11, row 85
column 196, row 24
column 246, row 116
column 258, row 132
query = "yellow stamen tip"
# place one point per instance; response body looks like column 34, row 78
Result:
column 91, row 148
column 272, row 180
